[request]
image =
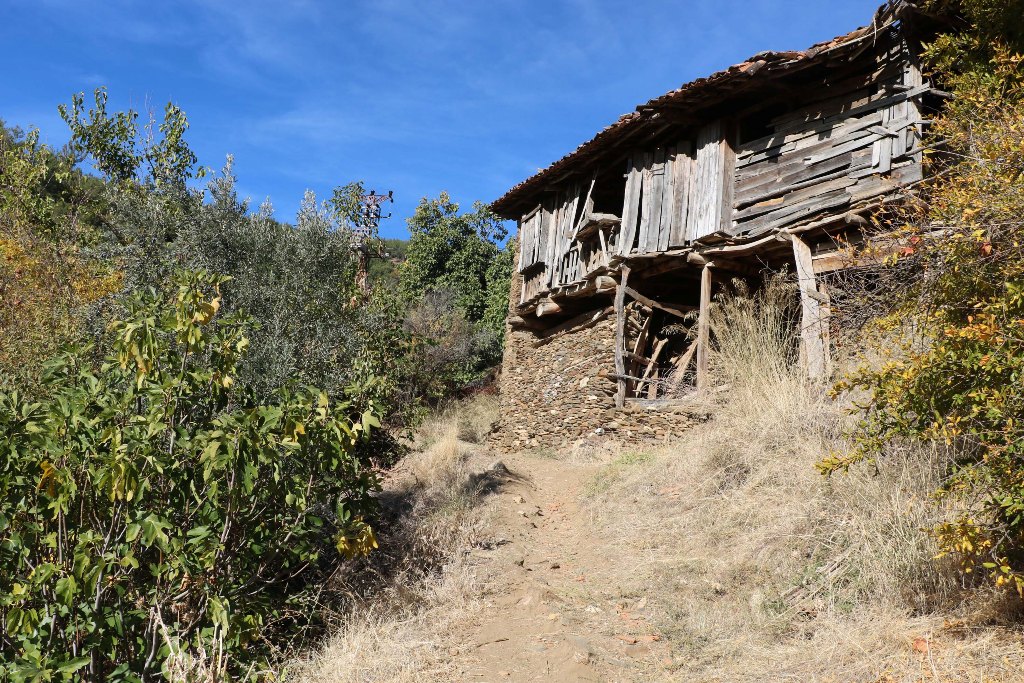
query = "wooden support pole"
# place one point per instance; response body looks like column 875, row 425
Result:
column 814, row 323
column 825, row 320
column 620, row 337
column 679, row 369
column 704, row 328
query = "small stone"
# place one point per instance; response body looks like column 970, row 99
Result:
column 555, row 565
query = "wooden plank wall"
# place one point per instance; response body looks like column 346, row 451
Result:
column 705, row 215
column 834, row 153
column 858, row 141
column 674, row 195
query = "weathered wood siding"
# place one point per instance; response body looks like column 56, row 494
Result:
column 857, row 138
column 855, row 145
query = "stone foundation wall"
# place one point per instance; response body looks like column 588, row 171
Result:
column 556, row 391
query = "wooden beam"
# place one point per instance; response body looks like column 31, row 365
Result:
column 704, row 329
column 658, row 347
column 620, row 337
column 651, row 303
column 679, row 368
column 547, row 307
column 814, row 351
column 639, row 347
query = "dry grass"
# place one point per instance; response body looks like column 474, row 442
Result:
column 420, row 583
column 764, row 570
column 753, row 566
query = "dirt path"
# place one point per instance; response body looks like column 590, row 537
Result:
column 558, row 601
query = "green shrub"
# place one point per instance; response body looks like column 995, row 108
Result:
column 951, row 345
column 149, row 511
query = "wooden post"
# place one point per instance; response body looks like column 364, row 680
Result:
column 620, row 337
column 704, row 328
column 824, row 320
column 814, row 322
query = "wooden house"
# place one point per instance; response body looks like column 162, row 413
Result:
column 774, row 162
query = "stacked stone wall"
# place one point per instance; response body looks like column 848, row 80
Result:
column 557, row 391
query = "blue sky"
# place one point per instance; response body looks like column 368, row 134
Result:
column 413, row 96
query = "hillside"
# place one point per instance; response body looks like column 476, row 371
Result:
column 723, row 556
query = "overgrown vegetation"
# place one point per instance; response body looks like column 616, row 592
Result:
column 757, row 568
column 951, row 343
column 150, row 509
column 191, row 396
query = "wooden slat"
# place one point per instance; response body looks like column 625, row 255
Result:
column 755, row 189
column 797, row 159
column 588, row 204
column 631, row 204
column 679, row 367
column 682, row 170
column 654, row 189
column 857, row 141
column 659, row 346
column 728, row 181
column 813, row 190
column 798, row 212
column 668, row 200
column 646, row 198
column 704, row 217
column 830, row 128
column 782, row 187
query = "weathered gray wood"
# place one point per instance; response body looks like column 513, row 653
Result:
column 588, row 204
column 646, row 198
column 781, row 188
column 550, row 258
column 620, row 335
column 668, row 200
column 750, row 189
column 639, row 347
column 875, row 104
column 795, row 197
column 788, row 216
column 813, row 330
column 728, row 181
column 524, row 244
column 802, row 158
column 631, row 204
column 659, row 346
column 655, row 189
column 651, row 303
column 682, row 171
column 704, row 217
column 825, row 323
column 858, row 141
column 704, row 329
column 679, row 367
column 749, row 152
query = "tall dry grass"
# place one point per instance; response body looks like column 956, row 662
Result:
column 418, row 582
column 762, row 569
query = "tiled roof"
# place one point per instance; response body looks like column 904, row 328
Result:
column 701, row 93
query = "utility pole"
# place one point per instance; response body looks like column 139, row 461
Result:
column 365, row 230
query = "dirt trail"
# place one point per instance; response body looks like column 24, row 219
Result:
column 558, row 606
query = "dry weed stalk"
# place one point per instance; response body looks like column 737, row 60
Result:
column 417, row 584
column 764, row 570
